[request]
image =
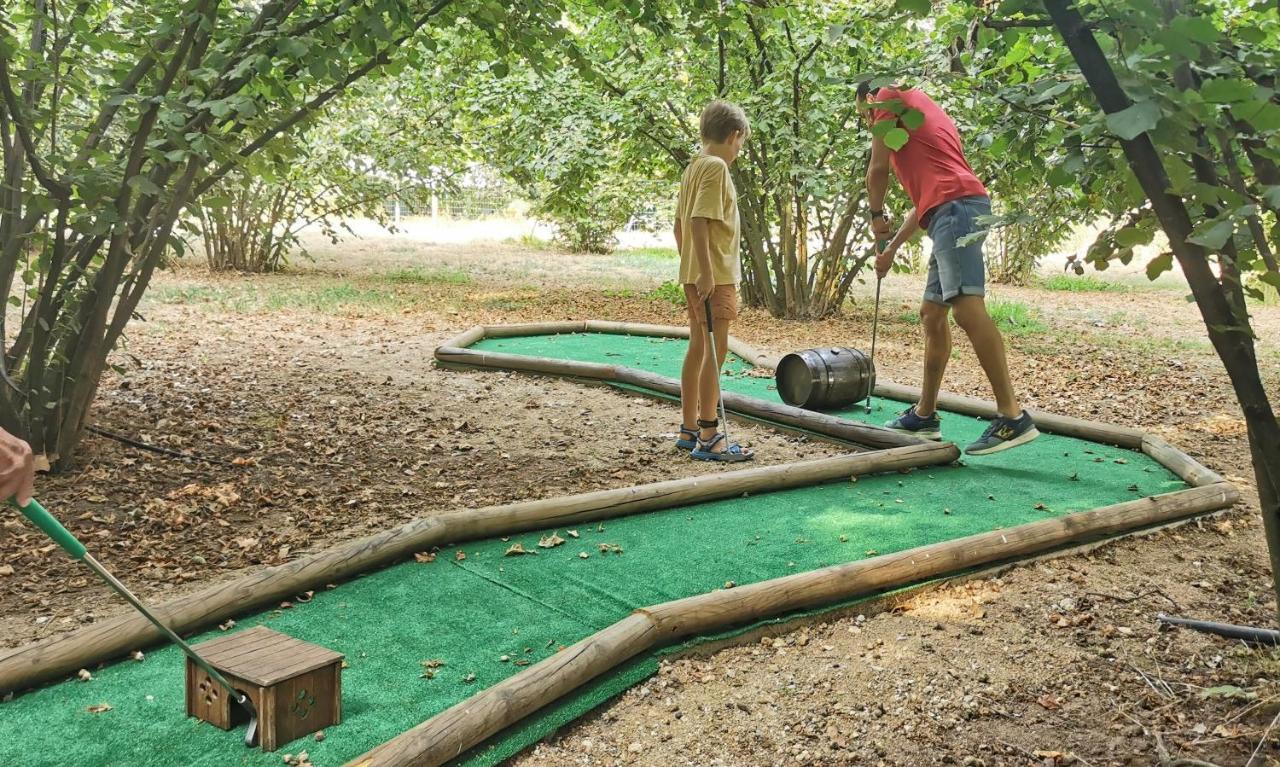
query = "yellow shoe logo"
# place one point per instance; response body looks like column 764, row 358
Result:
column 1005, row 432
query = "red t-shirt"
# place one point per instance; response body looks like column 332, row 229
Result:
column 931, row 166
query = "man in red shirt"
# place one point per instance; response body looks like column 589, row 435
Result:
column 949, row 202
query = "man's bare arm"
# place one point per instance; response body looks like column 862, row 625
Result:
column 910, row 225
column 878, row 173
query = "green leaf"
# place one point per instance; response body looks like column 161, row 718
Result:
column 1197, row 28
column 144, row 185
column 1227, row 90
column 1159, row 265
column 882, row 127
column 293, row 47
column 1131, row 236
column 1264, row 116
column 1272, row 195
column 896, row 139
column 1138, row 118
column 912, row 119
column 1271, row 278
column 1212, row 234
column 915, row 7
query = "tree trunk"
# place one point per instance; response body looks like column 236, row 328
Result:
column 1229, row 331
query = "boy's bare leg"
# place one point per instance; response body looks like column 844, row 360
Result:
column 937, row 351
column 972, row 317
column 709, row 386
column 691, row 376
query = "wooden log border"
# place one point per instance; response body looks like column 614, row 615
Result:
column 455, row 351
column 61, row 656
column 470, row 722
column 452, row 732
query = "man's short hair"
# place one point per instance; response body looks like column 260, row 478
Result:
column 864, row 90
column 720, row 119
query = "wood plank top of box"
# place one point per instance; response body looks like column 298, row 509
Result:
column 265, row 657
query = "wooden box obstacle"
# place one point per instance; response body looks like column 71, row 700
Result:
column 295, row 686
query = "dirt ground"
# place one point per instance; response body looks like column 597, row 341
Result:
column 312, row 412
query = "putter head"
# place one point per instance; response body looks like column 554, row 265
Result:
column 251, row 730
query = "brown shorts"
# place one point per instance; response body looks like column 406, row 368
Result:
column 724, row 303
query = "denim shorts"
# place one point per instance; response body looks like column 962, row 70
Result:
column 956, row 269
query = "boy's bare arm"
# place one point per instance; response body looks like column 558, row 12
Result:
column 702, row 252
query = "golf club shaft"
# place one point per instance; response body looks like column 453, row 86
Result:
column 70, row 544
column 129, row 597
column 715, row 361
column 875, row 320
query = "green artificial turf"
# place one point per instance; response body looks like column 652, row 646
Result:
column 470, row 613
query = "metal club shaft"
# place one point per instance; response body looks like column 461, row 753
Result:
column 875, row 327
column 715, row 361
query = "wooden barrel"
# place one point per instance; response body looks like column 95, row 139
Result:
column 825, row 379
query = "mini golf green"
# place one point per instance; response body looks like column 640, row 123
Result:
column 470, row 613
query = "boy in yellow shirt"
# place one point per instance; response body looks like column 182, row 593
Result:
column 707, row 233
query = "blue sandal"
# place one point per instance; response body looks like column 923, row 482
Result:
column 688, row 438
column 733, row 453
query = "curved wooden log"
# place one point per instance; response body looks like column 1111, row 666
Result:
column 1094, row 431
column 1192, row 471
column 859, row 433
column 637, row 329
column 64, row 655
column 469, row 723
column 534, row 329
column 465, row 338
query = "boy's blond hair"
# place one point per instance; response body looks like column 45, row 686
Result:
column 720, row 119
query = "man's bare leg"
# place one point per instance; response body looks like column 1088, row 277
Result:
column 972, row 317
column 937, row 351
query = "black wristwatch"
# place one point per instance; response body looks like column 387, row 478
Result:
column 877, row 214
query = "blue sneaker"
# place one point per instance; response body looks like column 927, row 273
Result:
column 909, row 422
column 1004, row 433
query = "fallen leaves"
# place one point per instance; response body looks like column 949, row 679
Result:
column 460, row 556
column 99, row 708
column 138, row 656
column 301, row 760
column 429, row 668
column 1228, row 691
column 424, row 557
column 1048, row 702
column 517, row 549
column 550, row 541
column 84, row 675
column 573, row 533
column 583, row 555
column 230, row 624
column 609, row 548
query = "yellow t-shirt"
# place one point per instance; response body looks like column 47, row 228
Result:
column 707, row 191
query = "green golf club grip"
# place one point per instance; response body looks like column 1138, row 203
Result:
column 53, row 528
